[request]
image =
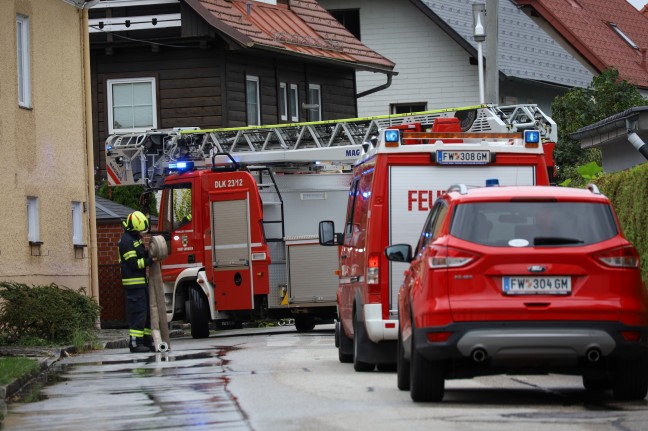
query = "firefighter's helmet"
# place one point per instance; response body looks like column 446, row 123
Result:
column 136, row 221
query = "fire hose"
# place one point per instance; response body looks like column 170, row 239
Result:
column 159, row 325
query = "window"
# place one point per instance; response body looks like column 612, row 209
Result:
column 33, row 228
column 77, row 223
column 314, row 102
column 294, row 102
column 252, row 101
column 557, row 224
column 176, row 211
column 24, row 68
column 406, row 108
column 132, row 105
column 350, row 19
column 283, row 101
column 623, row 36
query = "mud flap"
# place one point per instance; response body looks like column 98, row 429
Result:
column 374, row 353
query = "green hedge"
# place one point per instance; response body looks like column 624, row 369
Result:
column 628, row 192
column 34, row 315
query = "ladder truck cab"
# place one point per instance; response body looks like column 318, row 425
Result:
column 395, row 183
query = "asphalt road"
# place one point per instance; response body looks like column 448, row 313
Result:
column 277, row 379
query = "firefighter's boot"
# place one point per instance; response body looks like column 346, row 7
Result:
column 148, row 342
column 136, row 345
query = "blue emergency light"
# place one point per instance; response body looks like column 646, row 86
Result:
column 181, row 166
column 531, row 137
column 392, row 135
column 492, row 182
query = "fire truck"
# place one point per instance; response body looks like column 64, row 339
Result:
column 239, row 208
column 395, row 183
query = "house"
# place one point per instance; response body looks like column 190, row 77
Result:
column 622, row 138
column 160, row 64
column 432, row 44
column 603, row 34
column 47, row 211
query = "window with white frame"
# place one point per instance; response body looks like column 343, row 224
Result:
column 252, row 100
column 132, row 105
column 314, row 102
column 294, row 102
column 24, row 67
column 283, row 101
column 77, row 223
column 33, row 226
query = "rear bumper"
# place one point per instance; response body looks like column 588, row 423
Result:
column 379, row 329
column 504, row 341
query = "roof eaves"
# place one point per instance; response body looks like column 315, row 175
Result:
column 454, row 35
column 238, row 37
column 351, row 64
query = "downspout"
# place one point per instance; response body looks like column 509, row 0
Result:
column 379, row 88
column 634, row 139
column 92, row 212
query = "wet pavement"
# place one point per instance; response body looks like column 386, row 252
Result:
column 183, row 389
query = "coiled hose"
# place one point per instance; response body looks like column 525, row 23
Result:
column 159, row 326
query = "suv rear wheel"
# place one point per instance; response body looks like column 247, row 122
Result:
column 427, row 378
column 631, row 379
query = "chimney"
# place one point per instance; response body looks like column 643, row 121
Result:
column 249, row 7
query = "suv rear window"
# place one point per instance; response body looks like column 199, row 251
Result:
column 539, row 223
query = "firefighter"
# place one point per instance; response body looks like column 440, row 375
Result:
column 133, row 260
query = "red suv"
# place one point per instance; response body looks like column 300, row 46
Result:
column 522, row 280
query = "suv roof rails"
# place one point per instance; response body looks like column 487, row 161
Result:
column 593, row 188
column 461, row 188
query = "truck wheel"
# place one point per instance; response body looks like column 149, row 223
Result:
column 199, row 316
column 427, row 378
column 402, row 367
column 631, row 379
column 304, row 323
column 344, row 344
column 358, row 337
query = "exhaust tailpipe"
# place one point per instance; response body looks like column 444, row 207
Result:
column 479, row 355
column 593, row 354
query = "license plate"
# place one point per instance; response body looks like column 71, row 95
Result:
column 536, row 285
column 453, row 157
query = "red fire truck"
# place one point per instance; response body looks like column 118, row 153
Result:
column 239, row 208
column 395, row 183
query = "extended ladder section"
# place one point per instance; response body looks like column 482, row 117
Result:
column 147, row 157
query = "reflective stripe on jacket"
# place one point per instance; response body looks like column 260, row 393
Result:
column 133, row 260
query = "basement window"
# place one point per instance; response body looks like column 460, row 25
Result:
column 623, row 36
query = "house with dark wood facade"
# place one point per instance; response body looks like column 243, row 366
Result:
column 159, row 64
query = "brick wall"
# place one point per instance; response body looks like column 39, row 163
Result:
column 111, row 292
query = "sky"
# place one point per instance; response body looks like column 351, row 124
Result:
column 637, row 3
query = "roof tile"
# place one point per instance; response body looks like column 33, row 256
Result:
column 302, row 27
column 585, row 24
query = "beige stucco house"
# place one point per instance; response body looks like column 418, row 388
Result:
column 46, row 182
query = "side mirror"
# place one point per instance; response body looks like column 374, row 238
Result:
column 327, row 235
column 399, row 253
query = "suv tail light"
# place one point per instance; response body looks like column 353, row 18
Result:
column 448, row 257
column 622, row 257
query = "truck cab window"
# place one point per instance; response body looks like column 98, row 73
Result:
column 177, row 207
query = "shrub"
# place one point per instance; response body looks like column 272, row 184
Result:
column 51, row 313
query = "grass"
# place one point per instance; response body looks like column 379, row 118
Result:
column 12, row 367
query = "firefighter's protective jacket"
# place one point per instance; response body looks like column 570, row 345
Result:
column 133, row 259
